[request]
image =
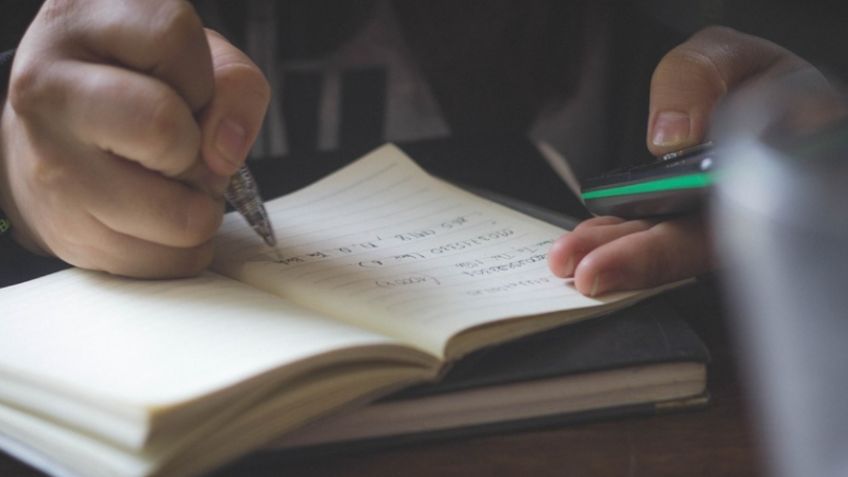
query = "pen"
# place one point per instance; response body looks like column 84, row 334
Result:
column 243, row 195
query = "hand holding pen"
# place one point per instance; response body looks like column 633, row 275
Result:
column 94, row 157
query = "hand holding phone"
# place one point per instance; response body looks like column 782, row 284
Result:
column 676, row 183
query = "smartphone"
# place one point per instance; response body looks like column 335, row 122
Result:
column 677, row 183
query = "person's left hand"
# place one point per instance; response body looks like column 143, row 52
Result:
column 605, row 254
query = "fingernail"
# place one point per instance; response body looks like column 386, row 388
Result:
column 603, row 282
column 568, row 267
column 231, row 141
column 671, row 128
column 595, row 285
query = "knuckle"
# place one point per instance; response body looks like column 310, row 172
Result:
column 184, row 262
column 577, row 243
column 55, row 10
column 695, row 66
column 247, row 80
column 257, row 83
column 170, row 263
column 261, row 87
column 134, row 266
column 199, row 259
column 172, row 146
column 175, row 263
column 661, row 265
column 175, row 22
column 695, row 59
column 194, row 260
column 48, row 171
column 163, row 113
column 83, row 248
column 200, row 219
column 26, row 87
column 79, row 257
column 718, row 58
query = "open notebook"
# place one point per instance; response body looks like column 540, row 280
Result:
column 387, row 276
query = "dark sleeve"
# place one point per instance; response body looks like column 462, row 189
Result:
column 6, row 58
column 15, row 16
column 16, row 263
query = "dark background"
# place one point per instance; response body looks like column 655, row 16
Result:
column 495, row 63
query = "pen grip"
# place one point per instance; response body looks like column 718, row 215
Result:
column 243, row 195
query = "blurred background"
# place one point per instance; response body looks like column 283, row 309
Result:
column 351, row 75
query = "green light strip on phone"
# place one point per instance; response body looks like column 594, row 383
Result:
column 689, row 181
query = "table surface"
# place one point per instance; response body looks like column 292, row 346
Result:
column 717, row 440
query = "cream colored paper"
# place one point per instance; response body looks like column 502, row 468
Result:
column 384, row 245
column 107, row 354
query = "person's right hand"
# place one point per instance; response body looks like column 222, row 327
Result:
column 122, row 125
column 606, row 254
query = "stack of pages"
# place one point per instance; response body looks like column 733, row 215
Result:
column 385, row 277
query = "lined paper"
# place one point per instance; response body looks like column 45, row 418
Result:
column 383, row 244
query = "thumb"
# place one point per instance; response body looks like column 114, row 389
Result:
column 231, row 121
column 692, row 78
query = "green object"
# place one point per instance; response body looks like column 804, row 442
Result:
column 5, row 225
column 689, row 181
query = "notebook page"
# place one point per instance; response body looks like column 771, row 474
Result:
column 383, row 244
column 145, row 345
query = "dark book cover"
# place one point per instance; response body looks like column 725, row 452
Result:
column 651, row 332
column 647, row 333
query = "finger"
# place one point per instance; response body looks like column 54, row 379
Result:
column 124, row 255
column 666, row 252
column 162, row 38
column 234, row 117
column 602, row 220
column 148, row 206
column 76, row 236
column 568, row 251
column 690, row 80
column 131, row 115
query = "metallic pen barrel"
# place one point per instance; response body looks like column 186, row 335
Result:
column 243, row 195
